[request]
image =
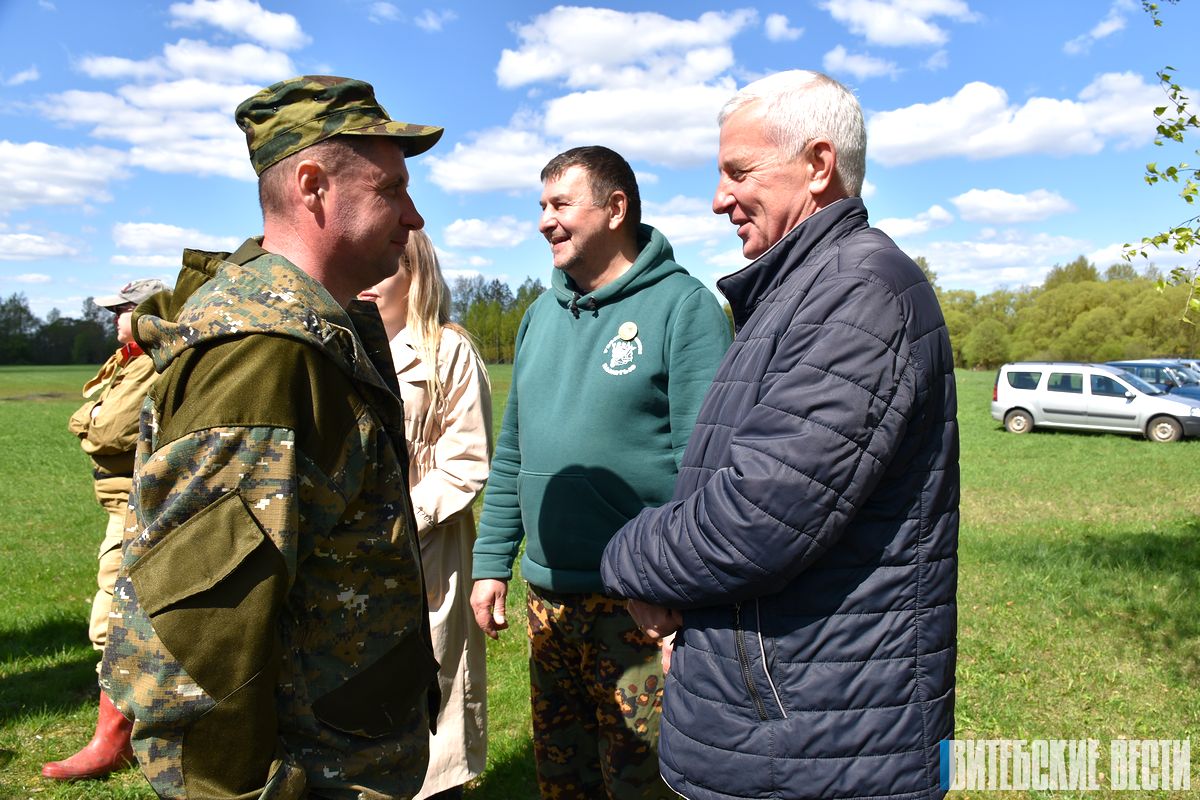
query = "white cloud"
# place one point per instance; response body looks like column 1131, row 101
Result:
column 32, row 277
column 979, row 122
column 1009, row 258
column 31, row 246
column 685, row 220
column 153, row 244
column 859, row 65
column 868, row 190
column 1165, row 260
column 241, row 62
column 383, row 12
column 243, row 17
column 726, row 260
column 593, row 47
column 899, row 228
column 455, row 265
column 503, row 231
column 181, row 127
column 190, row 58
column 676, row 128
column 188, row 94
column 24, row 76
column 40, row 174
column 936, row 62
column 1112, row 22
column 998, row 207
column 778, row 30
column 115, row 67
column 433, row 21
column 897, row 23
column 495, row 159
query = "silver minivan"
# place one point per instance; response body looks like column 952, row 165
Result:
column 1089, row 397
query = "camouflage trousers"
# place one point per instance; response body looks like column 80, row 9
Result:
column 596, row 693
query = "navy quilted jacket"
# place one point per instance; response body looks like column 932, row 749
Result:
column 812, row 539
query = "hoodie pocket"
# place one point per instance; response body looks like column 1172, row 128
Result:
column 572, row 520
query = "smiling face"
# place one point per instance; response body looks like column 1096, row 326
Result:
column 764, row 194
column 371, row 214
column 581, row 234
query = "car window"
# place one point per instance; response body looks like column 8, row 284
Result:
column 1108, row 387
column 1180, row 375
column 1066, row 382
column 1140, row 384
column 1024, row 380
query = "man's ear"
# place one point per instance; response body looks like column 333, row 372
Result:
column 821, row 160
column 312, row 182
column 618, row 209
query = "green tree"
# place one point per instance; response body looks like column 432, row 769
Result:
column 986, row 345
column 1176, row 122
column 18, row 330
column 1122, row 271
column 1078, row 271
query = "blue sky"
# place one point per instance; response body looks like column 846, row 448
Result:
column 1004, row 138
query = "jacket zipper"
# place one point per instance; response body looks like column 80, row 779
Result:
column 744, row 660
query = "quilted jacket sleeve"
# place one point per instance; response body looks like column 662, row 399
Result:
column 832, row 388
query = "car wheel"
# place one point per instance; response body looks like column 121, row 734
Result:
column 1018, row 421
column 1164, row 429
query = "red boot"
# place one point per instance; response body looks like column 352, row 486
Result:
column 108, row 751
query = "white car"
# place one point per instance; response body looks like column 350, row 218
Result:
column 1089, row 397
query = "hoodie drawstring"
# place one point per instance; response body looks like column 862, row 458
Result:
column 588, row 305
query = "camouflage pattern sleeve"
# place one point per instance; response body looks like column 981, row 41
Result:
column 194, row 637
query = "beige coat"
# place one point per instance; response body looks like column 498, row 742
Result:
column 449, row 451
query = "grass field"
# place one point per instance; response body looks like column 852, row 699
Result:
column 1078, row 586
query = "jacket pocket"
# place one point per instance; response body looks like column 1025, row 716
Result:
column 213, row 589
column 380, row 700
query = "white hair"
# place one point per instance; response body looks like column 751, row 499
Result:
column 799, row 106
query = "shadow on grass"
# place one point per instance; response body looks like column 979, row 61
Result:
column 513, row 778
column 1142, row 582
column 61, row 686
column 1169, row 560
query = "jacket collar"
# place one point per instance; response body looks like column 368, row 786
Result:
column 746, row 288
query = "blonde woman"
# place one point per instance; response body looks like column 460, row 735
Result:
column 448, row 424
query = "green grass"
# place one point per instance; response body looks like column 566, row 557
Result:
column 1078, row 584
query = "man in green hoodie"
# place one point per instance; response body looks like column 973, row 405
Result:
column 611, row 365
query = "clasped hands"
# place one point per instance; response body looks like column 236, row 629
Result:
column 658, row 623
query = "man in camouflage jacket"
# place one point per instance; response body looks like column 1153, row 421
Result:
column 271, row 639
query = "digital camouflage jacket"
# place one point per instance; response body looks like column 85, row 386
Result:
column 269, row 630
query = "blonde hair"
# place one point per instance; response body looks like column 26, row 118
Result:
column 428, row 307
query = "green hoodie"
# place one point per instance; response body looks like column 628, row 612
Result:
column 606, row 387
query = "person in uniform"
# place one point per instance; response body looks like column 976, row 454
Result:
column 270, row 637
column 107, row 427
column 448, row 427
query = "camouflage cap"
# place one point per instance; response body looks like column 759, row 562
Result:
column 132, row 292
column 297, row 113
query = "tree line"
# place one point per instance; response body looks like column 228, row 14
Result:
column 1077, row 314
column 89, row 338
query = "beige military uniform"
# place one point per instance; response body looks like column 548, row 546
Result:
column 107, row 427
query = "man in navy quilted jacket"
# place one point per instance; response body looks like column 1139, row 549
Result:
column 808, row 559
